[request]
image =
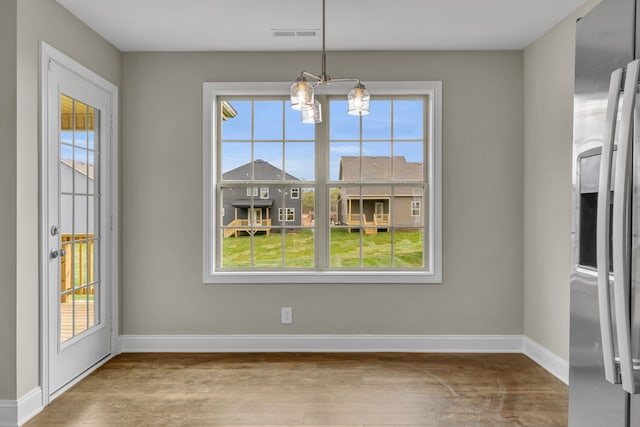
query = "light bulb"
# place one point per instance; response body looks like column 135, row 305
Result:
column 312, row 115
column 301, row 94
column 358, row 99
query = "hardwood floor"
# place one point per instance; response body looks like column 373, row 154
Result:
column 278, row 389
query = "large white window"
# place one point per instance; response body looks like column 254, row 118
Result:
column 359, row 184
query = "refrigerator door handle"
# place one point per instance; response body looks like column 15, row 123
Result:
column 602, row 228
column 621, row 235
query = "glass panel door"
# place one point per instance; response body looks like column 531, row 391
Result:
column 78, row 284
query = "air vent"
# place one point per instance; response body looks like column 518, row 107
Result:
column 284, row 34
column 295, row 33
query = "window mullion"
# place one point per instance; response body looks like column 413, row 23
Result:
column 322, row 207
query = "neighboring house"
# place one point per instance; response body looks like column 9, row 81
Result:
column 407, row 205
column 228, row 112
column 76, row 177
column 77, row 223
column 258, row 207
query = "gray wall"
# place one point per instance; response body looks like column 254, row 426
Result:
column 40, row 20
column 8, row 35
column 162, row 292
column 548, row 111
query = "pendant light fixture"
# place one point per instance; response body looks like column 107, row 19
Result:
column 303, row 96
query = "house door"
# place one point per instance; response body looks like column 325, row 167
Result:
column 255, row 216
column 76, row 226
column 378, row 210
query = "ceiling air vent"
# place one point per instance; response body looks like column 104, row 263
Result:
column 294, row 33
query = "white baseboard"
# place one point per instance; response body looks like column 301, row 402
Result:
column 322, row 343
column 350, row 343
column 550, row 361
column 17, row 412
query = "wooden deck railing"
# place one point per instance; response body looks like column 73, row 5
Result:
column 371, row 227
column 238, row 225
column 82, row 248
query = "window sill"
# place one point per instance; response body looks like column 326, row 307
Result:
column 328, row 277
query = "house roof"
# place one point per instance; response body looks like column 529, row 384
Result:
column 378, row 168
column 84, row 168
column 257, row 203
column 75, row 116
column 262, row 171
column 228, row 112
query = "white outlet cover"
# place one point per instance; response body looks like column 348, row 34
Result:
column 286, row 315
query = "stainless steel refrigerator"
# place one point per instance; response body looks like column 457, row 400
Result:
column 604, row 375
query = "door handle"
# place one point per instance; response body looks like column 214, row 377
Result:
column 602, row 228
column 621, row 230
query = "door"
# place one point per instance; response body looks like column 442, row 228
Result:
column 76, row 225
column 634, row 263
column 378, row 211
column 604, row 43
column 255, row 216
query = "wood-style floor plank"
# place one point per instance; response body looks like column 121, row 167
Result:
column 304, row 389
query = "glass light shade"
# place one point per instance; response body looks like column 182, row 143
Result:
column 301, row 94
column 358, row 99
column 312, row 115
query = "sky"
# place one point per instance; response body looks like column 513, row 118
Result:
column 272, row 134
column 278, row 127
column 83, row 151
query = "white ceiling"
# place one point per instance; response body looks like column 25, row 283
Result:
column 247, row 25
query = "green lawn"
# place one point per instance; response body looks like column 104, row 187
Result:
column 345, row 249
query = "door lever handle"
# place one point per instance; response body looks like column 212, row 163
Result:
column 55, row 253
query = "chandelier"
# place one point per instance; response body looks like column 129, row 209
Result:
column 302, row 91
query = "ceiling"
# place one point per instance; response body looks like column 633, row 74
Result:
column 248, row 25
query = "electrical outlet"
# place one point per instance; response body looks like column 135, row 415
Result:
column 286, row 315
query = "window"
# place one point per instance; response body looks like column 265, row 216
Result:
column 286, row 214
column 415, row 208
column 358, row 183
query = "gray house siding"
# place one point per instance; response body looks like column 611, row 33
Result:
column 77, row 216
column 377, row 168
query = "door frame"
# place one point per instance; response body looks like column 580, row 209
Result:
column 50, row 55
column 254, row 213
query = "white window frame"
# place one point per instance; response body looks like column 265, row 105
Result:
column 416, row 206
column 264, row 192
column 433, row 272
column 252, row 191
column 283, row 214
column 297, row 191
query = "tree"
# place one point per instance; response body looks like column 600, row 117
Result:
column 308, row 201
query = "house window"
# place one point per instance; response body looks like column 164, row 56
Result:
column 415, row 208
column 358, row 183
column 286, row 214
